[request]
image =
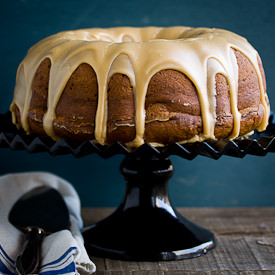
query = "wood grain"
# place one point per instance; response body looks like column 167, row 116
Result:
column 245, row 237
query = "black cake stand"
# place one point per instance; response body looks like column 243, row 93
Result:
column 145, row 226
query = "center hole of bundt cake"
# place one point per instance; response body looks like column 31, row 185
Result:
column 102, row 36
column 124, row 38
column 86, row 36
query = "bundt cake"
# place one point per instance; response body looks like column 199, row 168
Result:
column 136, row 85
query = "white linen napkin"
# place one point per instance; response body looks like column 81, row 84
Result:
column 63, row 252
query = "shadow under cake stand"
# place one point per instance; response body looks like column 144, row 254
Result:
column 145, row 226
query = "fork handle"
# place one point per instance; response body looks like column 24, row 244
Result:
column 29, row 259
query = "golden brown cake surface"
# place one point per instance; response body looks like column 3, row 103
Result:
column 136, row 85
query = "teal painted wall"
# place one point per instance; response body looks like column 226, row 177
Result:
column 200, row 182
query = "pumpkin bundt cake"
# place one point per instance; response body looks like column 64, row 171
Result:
column 136, row 85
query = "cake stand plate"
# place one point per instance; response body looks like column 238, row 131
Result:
column 145, row 226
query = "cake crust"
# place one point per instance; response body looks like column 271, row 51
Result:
column 76, row 108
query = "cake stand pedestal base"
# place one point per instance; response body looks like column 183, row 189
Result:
column 146, row 227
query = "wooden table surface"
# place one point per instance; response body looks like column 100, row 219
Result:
column 245, row 238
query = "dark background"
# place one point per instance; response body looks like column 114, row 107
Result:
column 200, row 182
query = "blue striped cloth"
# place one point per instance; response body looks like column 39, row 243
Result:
column 62, row 252
column 62, row 265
